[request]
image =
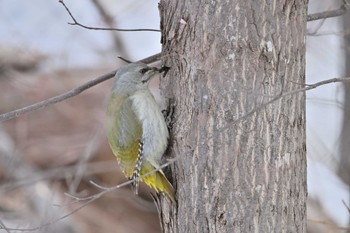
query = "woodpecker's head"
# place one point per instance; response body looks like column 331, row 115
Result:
column 133, row 77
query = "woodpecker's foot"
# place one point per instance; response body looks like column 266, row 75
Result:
column 168, row 114
column 164, row 70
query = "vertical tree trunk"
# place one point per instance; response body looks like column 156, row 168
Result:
column 241, row 167
column 344, row 161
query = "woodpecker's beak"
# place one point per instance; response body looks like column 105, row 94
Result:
column 154, row 69
column 150, row 71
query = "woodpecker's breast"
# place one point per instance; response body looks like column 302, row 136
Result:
column 154, row 130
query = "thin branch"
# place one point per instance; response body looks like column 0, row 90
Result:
column 329, row 14
column 110, row 22
column 83, row 162
column 75, row 22
column 330, row 33
column 317, row 28
column 124, row 60
column 50, row 222
column 89, row 200
column 69, row 94
column 329, row 224
column 3, row 226
column 57, row 173
column 346, row 206
column 97, row 185
column 109, row 189
column 317, row 16
column 281, row 95
column 315, row 85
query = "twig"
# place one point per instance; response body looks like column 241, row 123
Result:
column 281, row 95
column 110, row 22
column 83, row 162
column 3, row 226
column 69, row 94
column 89, row 200
column 57, row 173
column 329, row 224
column 75, row 22
column 51, row 222
column 124, row 59
column 315, row 85
column 98, row 185
column 109, row 189
column 329, row 33
column 317, row 28
column 329, row 14
column 346, row 206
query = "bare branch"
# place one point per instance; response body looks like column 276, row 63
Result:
column 315, row 85
column 89, row 200
column 51, row 222
column 124, row 60
column 69, row 94
column 75, row 22
column 98, row 185
column 281, row 95
column 317, row 28
column 2, row 226
column 83, row 162
column 329, row 224
column 330, row 33
column 329, row 14
column 57, row 173
column 346, row 206
column 110, row 22
column 109, row 189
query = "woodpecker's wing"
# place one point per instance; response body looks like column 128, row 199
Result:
column 125, row 132
column 124, row 136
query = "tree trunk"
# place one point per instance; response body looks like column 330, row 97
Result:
column 241, row 164
column 344, row 161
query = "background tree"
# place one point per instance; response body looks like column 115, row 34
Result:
column 344, row 161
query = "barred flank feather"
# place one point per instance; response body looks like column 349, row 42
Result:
column 136, row 173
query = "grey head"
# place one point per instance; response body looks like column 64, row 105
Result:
column 133, row 77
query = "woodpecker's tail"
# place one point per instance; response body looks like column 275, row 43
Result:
column 158, row 181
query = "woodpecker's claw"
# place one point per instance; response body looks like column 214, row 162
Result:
column 164, row 69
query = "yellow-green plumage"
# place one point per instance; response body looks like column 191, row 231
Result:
column 133, row 116
column 126, row 154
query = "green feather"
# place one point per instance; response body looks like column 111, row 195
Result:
column 124, row 133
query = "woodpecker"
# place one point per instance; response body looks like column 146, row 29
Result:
column 137, row 132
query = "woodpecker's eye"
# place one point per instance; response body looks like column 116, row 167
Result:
column 144, row 70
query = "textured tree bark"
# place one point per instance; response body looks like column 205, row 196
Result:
column 241, row 165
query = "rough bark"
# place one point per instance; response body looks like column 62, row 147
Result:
column 240, row 167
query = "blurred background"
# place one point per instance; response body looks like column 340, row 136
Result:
column 61, row 148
